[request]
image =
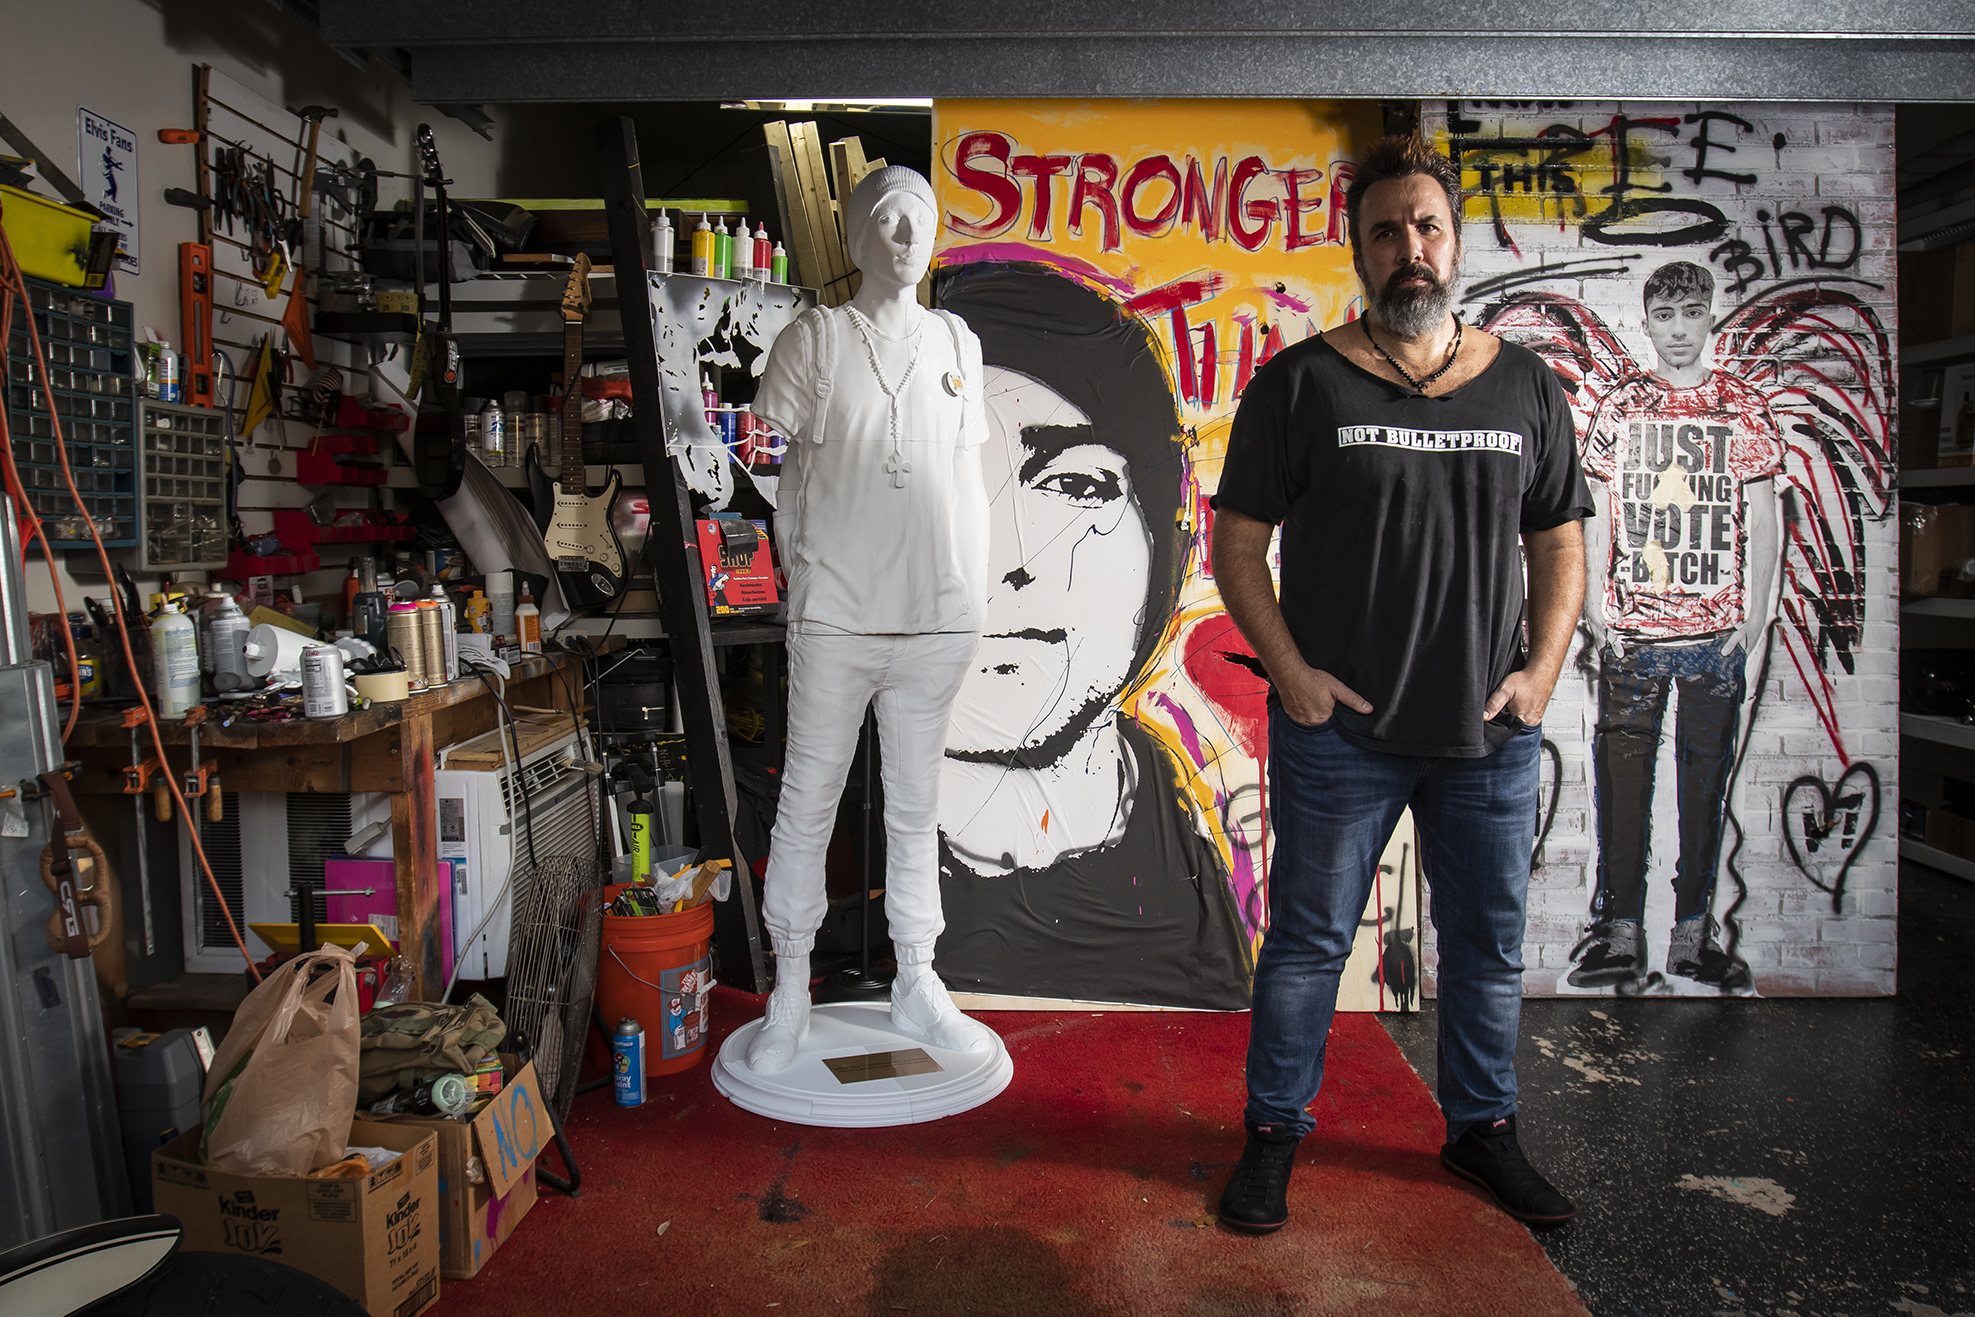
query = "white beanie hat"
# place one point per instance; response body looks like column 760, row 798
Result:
column 869, row 194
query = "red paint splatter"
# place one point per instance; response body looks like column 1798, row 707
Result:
column 1240, row 695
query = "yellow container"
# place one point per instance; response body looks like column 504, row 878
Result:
column 50, row 240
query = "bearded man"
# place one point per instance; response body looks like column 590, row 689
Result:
column 1413, row 464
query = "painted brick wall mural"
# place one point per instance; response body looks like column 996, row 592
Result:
column 1714, row 284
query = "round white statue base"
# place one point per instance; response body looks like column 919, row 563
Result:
column 809, row 1092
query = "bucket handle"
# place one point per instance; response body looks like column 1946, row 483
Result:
column 711, row 984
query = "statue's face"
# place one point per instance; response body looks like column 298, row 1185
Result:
column 896, row 243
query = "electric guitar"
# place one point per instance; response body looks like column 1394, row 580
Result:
column 438, row 457
column 582, row 543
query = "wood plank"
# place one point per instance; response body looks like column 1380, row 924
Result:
column 491, row 750
column 805, row 242
column 778, row 170
column 414, row 844
column 822, row 213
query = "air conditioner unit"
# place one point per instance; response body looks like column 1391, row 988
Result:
column 480, row 813
column 262, row 843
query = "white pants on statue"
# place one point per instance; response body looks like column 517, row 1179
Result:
column 913, row 680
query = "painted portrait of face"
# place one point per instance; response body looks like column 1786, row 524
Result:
column 1083, row 471
column 1678, row 327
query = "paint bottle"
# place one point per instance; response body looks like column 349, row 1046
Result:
column 778, row 265
column 723, row 251
column 479, row 614
column 528, row 622
column 661, row 244
column 764, row 252
column 175, row 661
column 710, row 397
column 742, row 264
column 703, row 248
column 627, row 1062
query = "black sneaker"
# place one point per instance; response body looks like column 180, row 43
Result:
column 1694, row 953
column 1256, row 1201
column 1488, row 1155
column 1614, row 953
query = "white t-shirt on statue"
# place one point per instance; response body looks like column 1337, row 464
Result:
column 864, row 519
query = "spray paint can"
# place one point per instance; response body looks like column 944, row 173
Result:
column 432, row 641
column 401, row 634
column 175, row 660
column 627, row 1062
column 449, row 620
column 227, row 637
column 323, row 695
column 778, row 265
column 661, row 244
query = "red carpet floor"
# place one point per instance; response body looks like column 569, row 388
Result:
column 1084, row 1190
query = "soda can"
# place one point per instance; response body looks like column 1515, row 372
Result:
column 323, row 695
column 627, row 1062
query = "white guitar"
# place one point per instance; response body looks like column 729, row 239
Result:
column 582, row 543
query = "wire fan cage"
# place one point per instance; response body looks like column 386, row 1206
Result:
column 552, row 969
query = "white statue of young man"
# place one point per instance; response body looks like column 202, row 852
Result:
column 882, row 525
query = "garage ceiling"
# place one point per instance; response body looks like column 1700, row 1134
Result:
column 617, row 50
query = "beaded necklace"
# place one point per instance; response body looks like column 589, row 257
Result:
column 1419, row 385
column 897, row 466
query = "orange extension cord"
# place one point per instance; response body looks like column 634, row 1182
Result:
column 13, row 285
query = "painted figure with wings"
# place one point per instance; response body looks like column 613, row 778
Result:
column 1728, row 497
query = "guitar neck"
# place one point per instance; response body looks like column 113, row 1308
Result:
column 572, row 406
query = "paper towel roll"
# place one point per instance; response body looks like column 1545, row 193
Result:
column 274, row 649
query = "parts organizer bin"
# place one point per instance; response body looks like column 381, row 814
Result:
column 183, row 481
column 87, row 342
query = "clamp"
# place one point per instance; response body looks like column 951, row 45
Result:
column 137, row 779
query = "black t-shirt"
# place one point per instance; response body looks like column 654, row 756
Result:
column 1401, row 524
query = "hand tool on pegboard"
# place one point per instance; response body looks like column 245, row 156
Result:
column 295, row 319
column 195, row 320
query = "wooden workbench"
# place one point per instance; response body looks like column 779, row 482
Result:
column 386, row 747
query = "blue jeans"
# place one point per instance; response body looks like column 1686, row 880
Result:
column 1333, row 806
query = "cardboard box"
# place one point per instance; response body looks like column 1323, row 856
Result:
column 475, row 1219
column 740, row 572
column 375, row 1239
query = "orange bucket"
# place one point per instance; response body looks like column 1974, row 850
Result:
column 658, row 970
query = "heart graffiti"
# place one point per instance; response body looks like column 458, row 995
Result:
column 1825, row 825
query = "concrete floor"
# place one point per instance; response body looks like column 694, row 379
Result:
column 1786, row 1158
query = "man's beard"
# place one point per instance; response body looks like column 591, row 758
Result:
column 1411, row 312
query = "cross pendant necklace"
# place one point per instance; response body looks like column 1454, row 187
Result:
column 895, row 465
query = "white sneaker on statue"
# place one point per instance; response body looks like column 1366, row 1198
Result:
column 921, row 1009
column 785, row 1025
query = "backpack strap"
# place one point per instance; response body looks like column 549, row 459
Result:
column 824, row 322
column 953, row 323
